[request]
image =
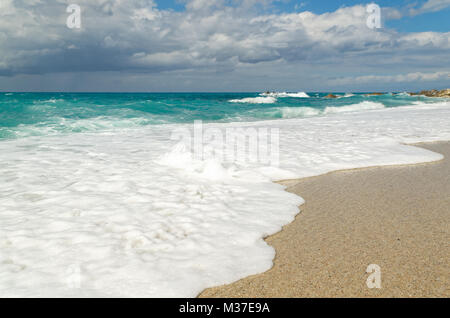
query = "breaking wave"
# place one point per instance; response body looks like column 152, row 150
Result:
column 353, row 108
column 284, row 94
column 255, row 100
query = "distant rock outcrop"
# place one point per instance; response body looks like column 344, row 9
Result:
column 374, row 94
column 434, row 93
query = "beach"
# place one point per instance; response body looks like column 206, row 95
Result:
column 396, row 217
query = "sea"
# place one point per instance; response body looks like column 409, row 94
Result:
column 166, row 194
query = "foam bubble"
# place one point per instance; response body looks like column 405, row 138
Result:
column 255, row 100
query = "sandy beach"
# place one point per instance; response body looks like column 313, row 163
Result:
column 397, row 217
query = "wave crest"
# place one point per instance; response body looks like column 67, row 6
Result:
column 294, row 112
column 284, row 94
column 255, row 100
column 353, row 108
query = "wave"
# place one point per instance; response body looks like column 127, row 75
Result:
column 59, row 125
column 284, row 94
column 51, row 100
column 347, row 95
column 67, row 126
column 353, row 108
column 301, row 112
column 296, row 112
column 255, row 100
column 304, row 112
column 43, row 114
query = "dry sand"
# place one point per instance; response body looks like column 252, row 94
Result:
column 396, row 217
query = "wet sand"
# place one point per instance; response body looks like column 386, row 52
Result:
column 396, row 217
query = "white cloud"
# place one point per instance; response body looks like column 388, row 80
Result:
column 134, row 36
column 400, row 78
column 430, row 6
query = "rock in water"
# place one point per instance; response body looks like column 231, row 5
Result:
column 444, row 93
column 435, row 93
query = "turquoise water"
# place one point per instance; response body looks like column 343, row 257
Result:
column 34, row 114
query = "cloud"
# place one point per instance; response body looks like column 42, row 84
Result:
column 400, row 78
column 209, row 37
column 430, row 6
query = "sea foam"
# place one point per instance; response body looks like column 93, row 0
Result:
column 134, row 213
column 255, row 100
column 284, row 94
column 366, row 105
column 298, row 112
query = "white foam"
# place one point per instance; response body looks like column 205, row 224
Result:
column 255, row 100
column 353, row 108
column 125, row 213
column 284, row 94
column 51, row 100
column 63, row 125
column 296, row 112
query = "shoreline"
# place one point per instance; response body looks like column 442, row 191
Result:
column 394, row 216
column 292, row 182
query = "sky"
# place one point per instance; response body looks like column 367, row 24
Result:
column 224, row 45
